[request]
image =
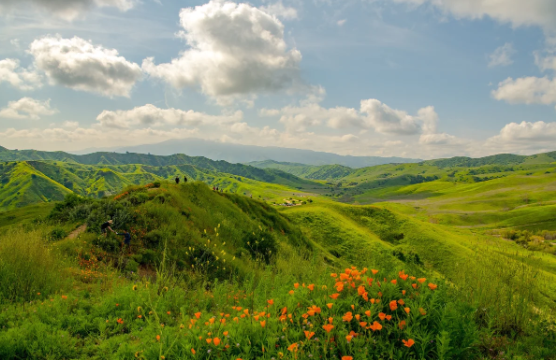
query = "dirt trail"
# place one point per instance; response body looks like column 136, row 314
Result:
column 75, row 233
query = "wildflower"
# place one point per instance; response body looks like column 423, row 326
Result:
column 347, row 317
column 402, row 324
column 432, row 286
column 374, row 271
column 329, row 305
column 292, row 347
column 168, row 312
column 368, row 312
column 134, row 287
column 349, row 337
column 375, row 326
column 193, row 351
column 64, row 297
column 334, row 296
column 216, row 341
column 394, row 281
column 422, row 311
column 263, row 323
column 120, row 321
column 381, row 316
column 422, row 280
column 225, row 333
column 296, row 285
column 401, row 302
column 334, row 275
column 409, row 343
column 414, row 286
column 309, row 335
column 363, row 324
column 291, row 292
column 157, row 337
column 198, row 315
column 328, row 327
column 270, row 302
column 347, row 357
column 209, row 341
column 393, row 305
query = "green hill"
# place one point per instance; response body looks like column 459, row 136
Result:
column 324, row 172
column 116, row 159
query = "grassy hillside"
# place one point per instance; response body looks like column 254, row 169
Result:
column 116, row 159
column 324, row 172
column 29, row 182
column 199, row 259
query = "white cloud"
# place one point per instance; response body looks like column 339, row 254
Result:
column 298, row 119
column 27, row 108
column 389, row 121
column 527, row 132
column 502, row 56
column 547, row 62
column 80, row 65
column 280, row 11
column 528, row 90
column 341, row 22
column 65, row 9
column 516, row 12
column 235, row 50
column 20, row 78
column 151, row 116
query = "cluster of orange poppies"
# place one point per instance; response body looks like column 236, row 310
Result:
column 352, row 281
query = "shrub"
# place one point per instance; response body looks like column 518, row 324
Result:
column 57, row 233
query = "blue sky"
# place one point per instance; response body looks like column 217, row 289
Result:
column 414, row 78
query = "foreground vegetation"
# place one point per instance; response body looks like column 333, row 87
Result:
column 221, row 275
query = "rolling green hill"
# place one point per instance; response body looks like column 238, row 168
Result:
column 116, row 159
column 324, row 172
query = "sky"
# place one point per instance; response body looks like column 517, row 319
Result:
column 412, row 78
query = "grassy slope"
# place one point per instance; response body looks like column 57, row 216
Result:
column 324, row 172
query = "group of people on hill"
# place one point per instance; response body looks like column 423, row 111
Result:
column 178, row 179
column 215, row 188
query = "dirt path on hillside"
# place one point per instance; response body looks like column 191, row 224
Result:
column 80, row 230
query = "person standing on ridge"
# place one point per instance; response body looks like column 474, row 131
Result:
column 184, row 179
column 105, row 227
column 177, row 180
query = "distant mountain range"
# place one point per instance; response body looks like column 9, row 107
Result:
column 236, row 153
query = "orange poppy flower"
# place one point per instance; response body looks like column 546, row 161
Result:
column 414, row 286
column 270, row 302
column 347, row 317
column 225, row 333
column 381, row 316
column 328, row 327
column 347, row 357
column 209, row 341
column 401, row 302
column 296, row 285
column 358, row 317
column 157, row 337
column 334, row 296
column 368, row 312
column 216, row 341
column 198, row 315
column 394, row 281
column 374, row 271
column 393, row 305
column 403, row 292
column 339, row 286
column 292, row 347
column 409, row 343
column 422, row 311
column 362, row 324
column 329, row 305
column 407, row 310
column 422, row 280
column 311, row 287
column 348, row 338
column 330, row 320
column 375, row 326
column 402, row 324
column 432, row 286
column 291, row 292
column 352, row 307
column 193, row 351
column 309, row 334
column 388, row 317
column 263, row 323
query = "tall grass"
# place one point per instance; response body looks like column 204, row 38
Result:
column 28, row 267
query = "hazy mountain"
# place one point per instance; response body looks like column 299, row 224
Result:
column 235, row 153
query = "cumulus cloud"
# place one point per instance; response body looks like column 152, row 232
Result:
column 152, row 116
column 341, row 22
column 279, row 10
column 27, row 108
column 20, row 78
column 298, row 119
column 386, row 120
column 527, row 132
column 80, row 65
column 515, row 12
column 527, row 90
column 502, row 56
column 65, row 9
column 234, row 50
